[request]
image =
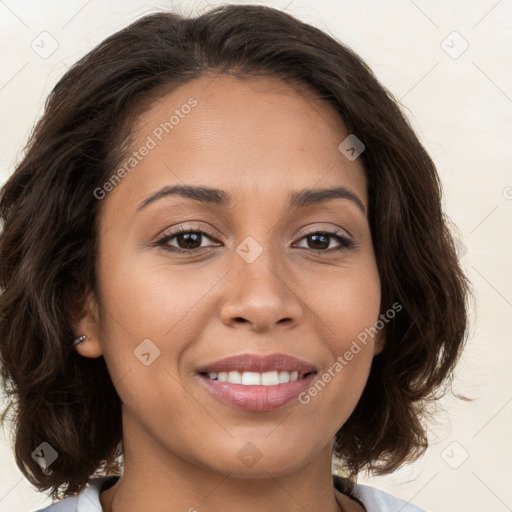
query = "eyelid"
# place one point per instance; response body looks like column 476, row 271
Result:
column 316, row 229
column 171, row 233
column 345, row 241
column 332, row 230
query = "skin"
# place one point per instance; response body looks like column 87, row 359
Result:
column 258, row 139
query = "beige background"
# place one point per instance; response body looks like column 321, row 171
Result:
column 461, row 107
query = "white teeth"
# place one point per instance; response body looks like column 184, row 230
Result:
column 269, row 379
column 234, row 378
column 254, row 378
column 251, row 379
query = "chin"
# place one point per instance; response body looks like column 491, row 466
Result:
column 258, row 458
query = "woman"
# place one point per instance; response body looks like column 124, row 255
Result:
column 225, row 266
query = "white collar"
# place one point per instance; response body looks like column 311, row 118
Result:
column 88, row 500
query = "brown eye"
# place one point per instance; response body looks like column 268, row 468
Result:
column 190, row 240
column 186, row 240
column 320, row 241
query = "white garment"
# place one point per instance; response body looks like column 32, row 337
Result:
column 89, row 501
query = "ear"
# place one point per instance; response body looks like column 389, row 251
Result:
column 379, row 341
column 86, row 320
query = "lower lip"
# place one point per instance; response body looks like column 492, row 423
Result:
column 257, row 398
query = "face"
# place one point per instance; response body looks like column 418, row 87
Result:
column 256, row 276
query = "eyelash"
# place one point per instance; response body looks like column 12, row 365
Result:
column 346, row 243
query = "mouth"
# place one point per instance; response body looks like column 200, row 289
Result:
column 271, row 378
column 256, row 382
column 253, row 391
column 252, row 367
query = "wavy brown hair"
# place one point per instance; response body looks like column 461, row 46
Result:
column 49, row 237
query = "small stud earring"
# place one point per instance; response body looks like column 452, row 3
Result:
column 79, row 340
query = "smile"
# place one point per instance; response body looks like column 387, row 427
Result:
column 256, row 378
column 259, row 392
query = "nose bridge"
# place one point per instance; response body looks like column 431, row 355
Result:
column 258, row 261
column 257, row 252
column 260, row 290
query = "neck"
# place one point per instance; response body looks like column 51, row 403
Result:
column 156, row 478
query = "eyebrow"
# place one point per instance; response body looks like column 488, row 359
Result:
column 214, row 196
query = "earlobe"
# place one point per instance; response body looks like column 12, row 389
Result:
column 90, row 347
column 378, row 348
column 87, row 326
column 379, row 343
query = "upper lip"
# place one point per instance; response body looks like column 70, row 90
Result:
column 258, row 363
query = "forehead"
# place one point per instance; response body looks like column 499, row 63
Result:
column 255, row 137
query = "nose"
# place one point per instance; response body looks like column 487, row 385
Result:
column 261, row 293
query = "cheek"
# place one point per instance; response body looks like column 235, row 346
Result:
column 339, row 384
column 349, row 305
column 155, row 312
column 347, row 301
column 151, row 300
column 146, row 328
